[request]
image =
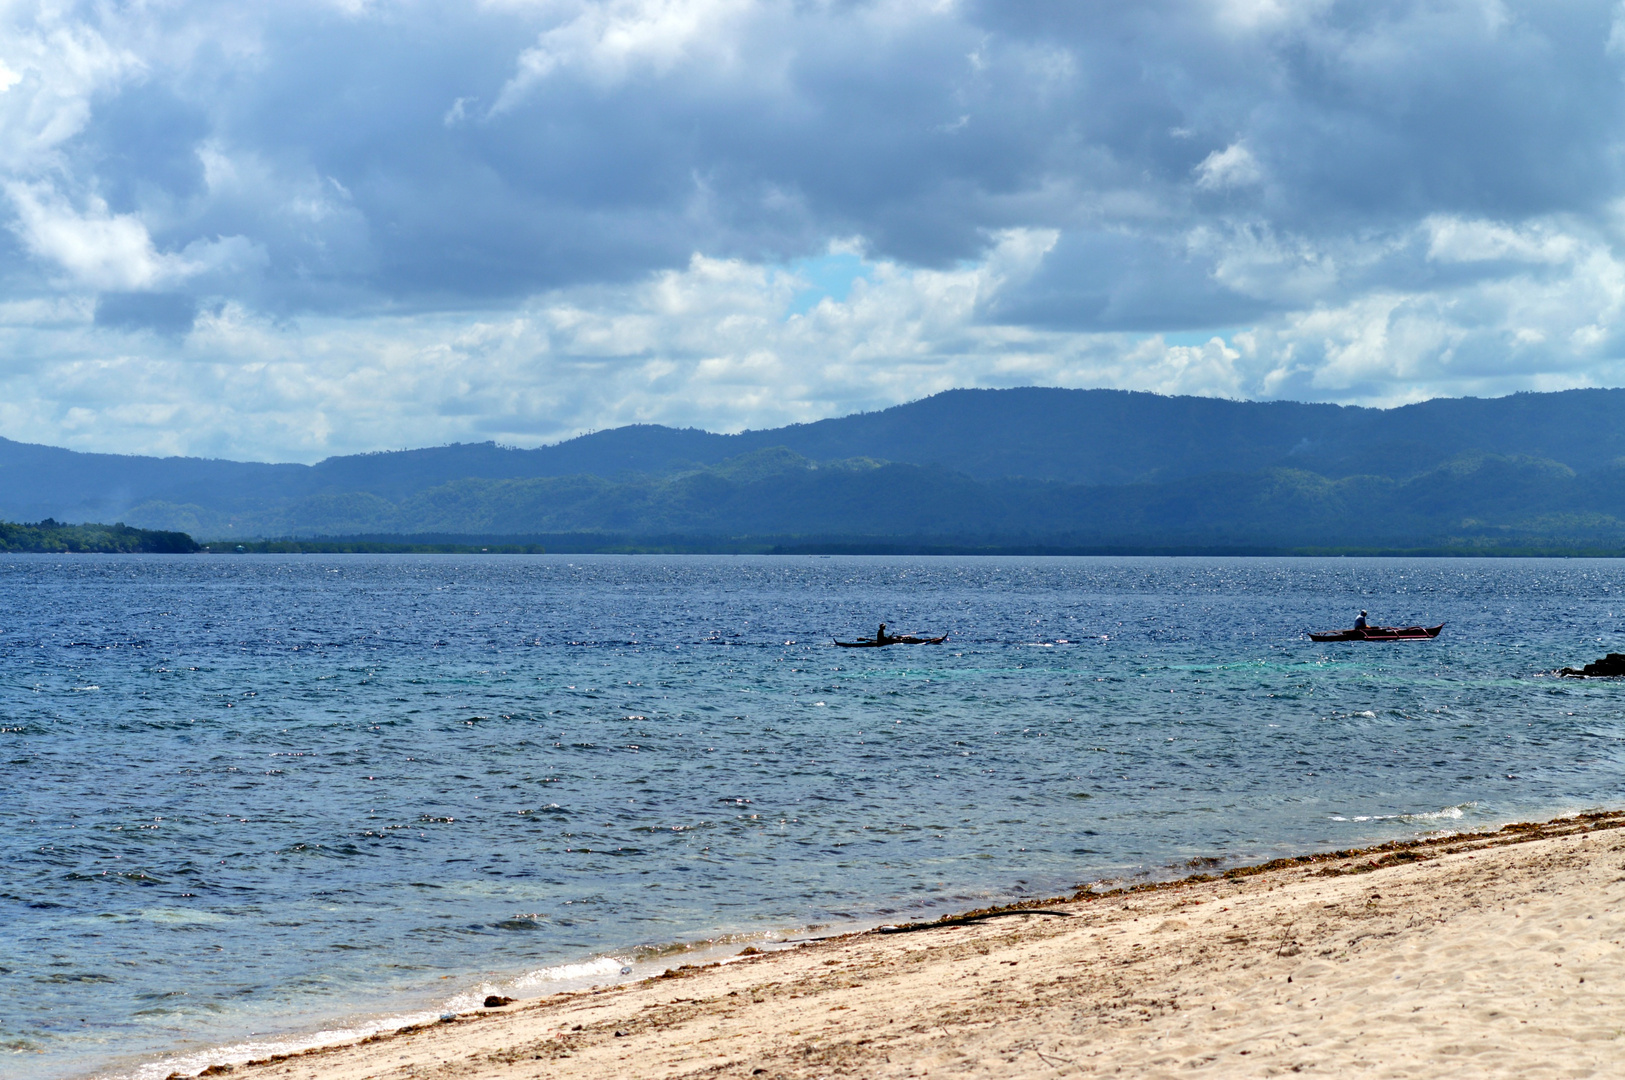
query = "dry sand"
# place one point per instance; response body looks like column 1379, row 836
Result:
column 1472, row 956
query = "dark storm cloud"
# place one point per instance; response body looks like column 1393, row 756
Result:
column 1120, row 281
column 403, row 156
column 1366, row 109
column 1360, row 121
column 164, row 313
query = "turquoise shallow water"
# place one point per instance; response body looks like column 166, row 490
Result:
column 246, row 798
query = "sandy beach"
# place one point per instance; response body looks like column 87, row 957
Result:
column 1481, row 955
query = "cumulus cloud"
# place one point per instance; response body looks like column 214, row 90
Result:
column 1454, row 240
column 610, row 42
column 102, row 250
column 1234, row 166
column 373, row 223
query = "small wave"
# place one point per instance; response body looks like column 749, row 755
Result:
column 239, row 1052
column 560, row 977
column 562, row 973
column 1449, row 813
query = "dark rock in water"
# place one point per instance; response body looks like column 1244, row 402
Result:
column 496, row 1001
column 1611, row 666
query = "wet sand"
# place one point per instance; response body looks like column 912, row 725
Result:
column 1485, row 955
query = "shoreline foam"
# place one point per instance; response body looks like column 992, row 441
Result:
column 1499, row 953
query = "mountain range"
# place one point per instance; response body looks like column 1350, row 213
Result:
column 1032, row 466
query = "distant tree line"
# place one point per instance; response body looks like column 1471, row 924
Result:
column 403, row 545
column 51, row 536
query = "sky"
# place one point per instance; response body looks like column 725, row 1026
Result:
column 282, row 231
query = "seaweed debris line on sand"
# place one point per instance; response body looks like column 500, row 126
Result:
column 1428, row 959
column 1611, row 666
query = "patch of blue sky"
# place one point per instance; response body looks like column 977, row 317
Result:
column 830, row 275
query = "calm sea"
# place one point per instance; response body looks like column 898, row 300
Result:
column 249, row 800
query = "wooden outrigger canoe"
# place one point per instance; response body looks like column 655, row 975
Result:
column 906, row 639
column 1382, row 633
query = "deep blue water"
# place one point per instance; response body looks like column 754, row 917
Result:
column 244, row 798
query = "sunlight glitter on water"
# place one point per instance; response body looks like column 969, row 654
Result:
column 311, row 788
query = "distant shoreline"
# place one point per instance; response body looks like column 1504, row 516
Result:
column 53, row 537
column 365, row 547
column 591, row 544
column 876, row 550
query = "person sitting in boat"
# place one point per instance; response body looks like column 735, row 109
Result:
column 1359, row 624
column 880, row 635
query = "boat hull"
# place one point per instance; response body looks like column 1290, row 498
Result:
column 1382, row 633
column 892, row 641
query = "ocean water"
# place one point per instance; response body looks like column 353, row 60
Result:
column 247, row 801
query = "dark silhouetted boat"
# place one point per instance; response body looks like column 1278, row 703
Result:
column 1382, row 633
column 905, row 639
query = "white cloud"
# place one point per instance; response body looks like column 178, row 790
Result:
column 1616, row 32
column 54, row 66
column 609, row 41
column 1255, row 15
column 1251, row 260
column 458, row 113
column 106, row 251
column 1452, row 239
column 714, row 344
column 1232, row 167
column 517, row 219
column 98, row 249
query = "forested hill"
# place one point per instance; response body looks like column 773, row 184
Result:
column 1095, row 465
